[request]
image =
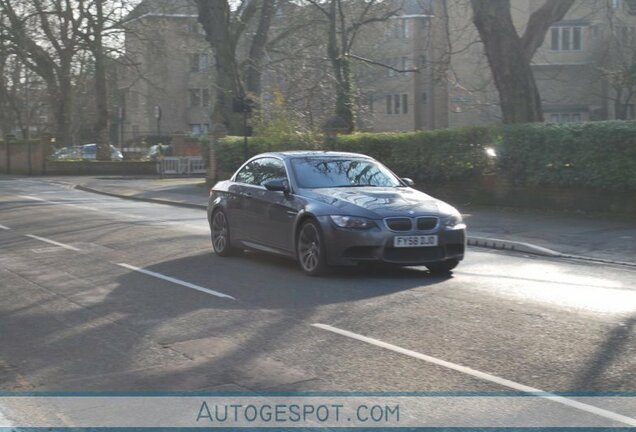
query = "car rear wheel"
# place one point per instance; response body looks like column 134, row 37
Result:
column 442, row 267
column 220, row 231
column 310, row 249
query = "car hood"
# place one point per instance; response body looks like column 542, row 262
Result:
column 378, row 202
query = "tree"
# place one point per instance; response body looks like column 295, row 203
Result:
column 344, row 22
column 618, row 60
column 224, row 28
column 44, row 35
column 509, row 55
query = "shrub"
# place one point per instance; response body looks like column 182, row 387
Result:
column 595, row 154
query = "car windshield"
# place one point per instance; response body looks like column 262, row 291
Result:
column 313, row 172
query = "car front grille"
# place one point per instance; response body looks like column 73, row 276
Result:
column 427, row 223
column 413, row 255
column 399, row 224
column 403, row 224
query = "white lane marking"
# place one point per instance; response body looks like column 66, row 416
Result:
column 53, row 242
column 32, row 198
column 4, row 227
column 176, row 281
column 483, row 375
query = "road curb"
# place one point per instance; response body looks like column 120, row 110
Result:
column 483, row 242
column 137, row 198
column 529, row 248
column 509, row 245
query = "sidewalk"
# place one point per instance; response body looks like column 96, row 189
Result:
column 599, row 237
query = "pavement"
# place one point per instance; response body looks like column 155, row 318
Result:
column 596, row 237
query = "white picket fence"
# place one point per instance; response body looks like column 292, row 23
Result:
column 181, row 165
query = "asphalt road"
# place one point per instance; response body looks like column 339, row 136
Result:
column 103, row 294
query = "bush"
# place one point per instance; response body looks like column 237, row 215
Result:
column 596, row 154
column 431, row 156
column 424, row 156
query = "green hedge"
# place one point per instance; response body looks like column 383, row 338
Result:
column 596, row 154
column 435, row 156
column 424, row 156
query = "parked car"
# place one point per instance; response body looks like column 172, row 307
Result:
column 332, row 208
column 85, row 151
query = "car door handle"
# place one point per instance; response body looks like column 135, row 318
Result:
column 246, row 194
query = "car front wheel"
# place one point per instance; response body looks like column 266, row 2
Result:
column 220, row 230
column 442, row 267
column 310, row 249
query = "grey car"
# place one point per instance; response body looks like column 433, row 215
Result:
column 331, row 208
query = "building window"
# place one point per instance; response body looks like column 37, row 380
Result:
column 616, row 4
column 199, row 62
column 199, row 129
column 404, row 63
column 424, row 97
column 401, row 29
column 566, row 39
column 404, row 29
column 199, row 97
column 397, row 104
column 631, row 112
column 572, row 117
column 370, row 101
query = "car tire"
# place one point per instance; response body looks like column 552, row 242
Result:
column 442, row 267
column 310, row 249
column 220, row 234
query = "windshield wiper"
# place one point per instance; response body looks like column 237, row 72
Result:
column 355, row 185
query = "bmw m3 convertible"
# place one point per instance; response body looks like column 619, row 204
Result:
column 330, row 208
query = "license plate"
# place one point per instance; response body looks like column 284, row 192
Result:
column 415, row 241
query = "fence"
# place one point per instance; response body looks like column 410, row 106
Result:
column 181, row 165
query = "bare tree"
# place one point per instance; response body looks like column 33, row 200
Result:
column 344, row 21
column 509, row 54
column 44, row 35
column 618, row 63
column 224, row 28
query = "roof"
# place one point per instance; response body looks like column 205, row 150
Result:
column 163, row 7
column 314, row 153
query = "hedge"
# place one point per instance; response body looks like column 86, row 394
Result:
column 595, row 154
column 424, row 156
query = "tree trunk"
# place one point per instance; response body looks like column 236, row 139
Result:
column 101, row 91
column 214, row 16
column 509, row 55
column 342, row 70
column 61, row 100
column 257, row 50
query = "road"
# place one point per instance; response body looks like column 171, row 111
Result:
column 103, row 294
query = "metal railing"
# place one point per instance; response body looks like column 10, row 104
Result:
column 171, row 165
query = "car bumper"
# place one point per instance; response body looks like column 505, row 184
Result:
column 349, row 246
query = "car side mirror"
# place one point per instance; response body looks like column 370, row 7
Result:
column 277, row 185
column 407, row 181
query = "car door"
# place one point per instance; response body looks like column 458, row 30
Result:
column 271, row 212
column 239, row 202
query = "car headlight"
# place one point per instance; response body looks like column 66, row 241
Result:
column 354, row 222
column 454, row 220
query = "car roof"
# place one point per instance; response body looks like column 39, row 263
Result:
column 313, row 153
